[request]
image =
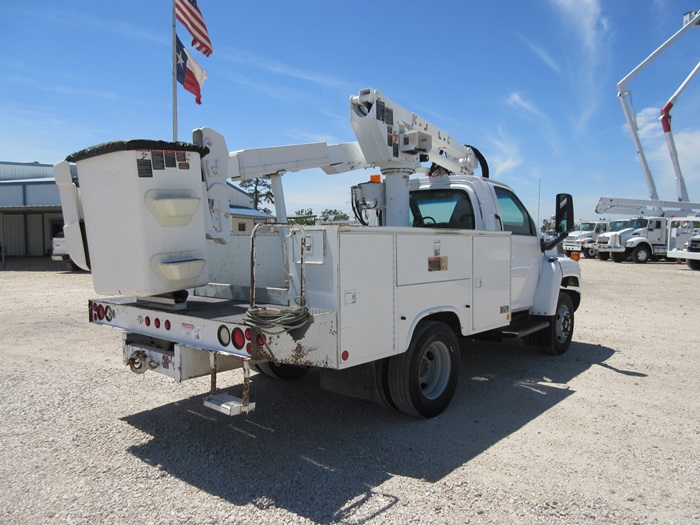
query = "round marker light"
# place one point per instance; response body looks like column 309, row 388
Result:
column 167, row 325
column 345, row 355
column 156, row 323
column 224, row 335
column 147, row 321
column 238, row 338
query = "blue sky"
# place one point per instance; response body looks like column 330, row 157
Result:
column 532, row 84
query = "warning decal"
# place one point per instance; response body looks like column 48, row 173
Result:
column 437, row 264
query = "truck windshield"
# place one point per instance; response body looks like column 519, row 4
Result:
column 638, row 223
column 587, row 226
column 441, row 209
column 616, row 226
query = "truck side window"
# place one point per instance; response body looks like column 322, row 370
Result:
column 441, row 209
column 514, row 216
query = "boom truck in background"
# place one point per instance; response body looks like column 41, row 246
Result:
column 583, row 238
column 377, row 307
column 648, row 234
column 602, row 244
column 684, row 240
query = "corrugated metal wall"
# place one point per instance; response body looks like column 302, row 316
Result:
column 11, row 195
column 43, row 195
column 24, row 170
column 14, row 235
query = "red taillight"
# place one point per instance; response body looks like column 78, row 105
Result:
column 100, row 312
column 249, row 348
column 156, row 323
column 238, row 338
column 167, row 325
column 147, row 321
column 260, row 339
column 248, row 334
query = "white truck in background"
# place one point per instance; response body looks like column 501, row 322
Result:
column 684, row 240
column 620, row 227
column 584, row 238
column 377, row 307
column 647, row 238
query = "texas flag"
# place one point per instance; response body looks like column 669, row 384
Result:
column 189, row 74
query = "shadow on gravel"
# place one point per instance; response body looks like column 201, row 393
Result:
column 322, row 456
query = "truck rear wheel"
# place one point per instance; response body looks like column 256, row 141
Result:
column 589, row 253
column 641, row 254
column 280, row 371
column 422, row 380
column 618, row 257
column 561, row 327
column 603, row 256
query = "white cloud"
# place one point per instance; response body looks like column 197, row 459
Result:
column 505, row 155
column 585, row 20
column 648, row 125
column 248, row 58
column 545, row 125
column 542, row 54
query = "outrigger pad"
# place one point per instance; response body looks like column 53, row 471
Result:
column 133, row 145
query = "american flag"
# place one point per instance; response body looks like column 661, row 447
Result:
column 189, row 14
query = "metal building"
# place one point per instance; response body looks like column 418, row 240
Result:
column 30, row 208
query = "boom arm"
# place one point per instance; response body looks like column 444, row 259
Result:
column 623, row 94
column 681, row 190
column 389, row 137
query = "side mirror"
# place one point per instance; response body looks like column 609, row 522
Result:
column 564, row 213
column 563, row 219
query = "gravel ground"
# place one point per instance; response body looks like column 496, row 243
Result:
column 607, row 433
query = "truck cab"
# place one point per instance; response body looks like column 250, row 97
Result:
column 584, row 238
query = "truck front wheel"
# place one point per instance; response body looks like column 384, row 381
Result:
column 561, row 326
column 422, row 380
column 693, row 264
column 641, row 254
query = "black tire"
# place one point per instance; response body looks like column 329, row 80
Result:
column 561, row 327
column 589, row 253
column 693, row 264
column 271, row 369
column 423, row 379
column 641, row 254
column 382, row 395
column 618, row 257
column 603, row 256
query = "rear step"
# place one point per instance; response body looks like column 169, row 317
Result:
column 520, row 330
column 228, row 404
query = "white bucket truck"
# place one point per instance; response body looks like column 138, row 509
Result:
column 378, row 307
column 684, row 240
column 584, row 238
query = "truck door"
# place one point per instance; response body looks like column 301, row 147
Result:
column 526, row 253
column 656, row 232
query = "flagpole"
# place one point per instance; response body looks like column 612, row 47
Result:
column 174, row 57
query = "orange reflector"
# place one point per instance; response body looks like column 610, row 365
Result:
column 575, row 255
column 375, row 178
